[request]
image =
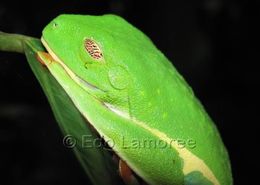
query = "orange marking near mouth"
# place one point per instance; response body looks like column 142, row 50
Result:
column 44, row 55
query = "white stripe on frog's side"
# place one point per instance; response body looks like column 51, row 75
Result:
column 191, row 161
column 117, row 111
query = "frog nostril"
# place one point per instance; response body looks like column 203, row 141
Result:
column 55, row 25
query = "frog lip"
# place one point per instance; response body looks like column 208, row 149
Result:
column 75, row 77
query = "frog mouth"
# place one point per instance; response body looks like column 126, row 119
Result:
column 88, row 87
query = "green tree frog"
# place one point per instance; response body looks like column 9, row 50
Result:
column 136, row 100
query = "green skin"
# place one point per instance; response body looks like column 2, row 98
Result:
column 136, row 100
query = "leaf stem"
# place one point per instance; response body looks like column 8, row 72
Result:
column 13, row 42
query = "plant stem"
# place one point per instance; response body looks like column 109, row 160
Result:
column 13, row 42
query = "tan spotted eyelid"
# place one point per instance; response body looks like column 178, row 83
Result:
column 93, row 49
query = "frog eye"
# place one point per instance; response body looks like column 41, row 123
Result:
column 93, row 49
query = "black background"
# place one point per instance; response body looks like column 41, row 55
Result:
column 211, row 43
